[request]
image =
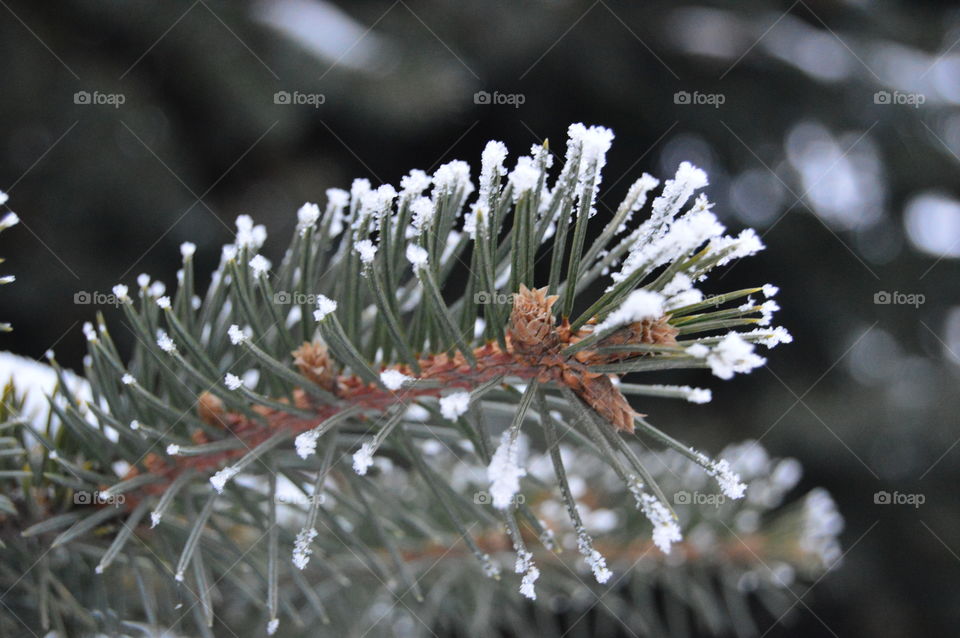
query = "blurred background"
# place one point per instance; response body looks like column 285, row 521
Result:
column 833, row 128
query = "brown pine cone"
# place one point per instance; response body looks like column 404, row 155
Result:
column 315, row 364
column 532, row 332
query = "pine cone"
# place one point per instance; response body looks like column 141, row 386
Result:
column 532, row 332
column 315, row 364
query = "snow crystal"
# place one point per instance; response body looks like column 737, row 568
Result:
column 302, row 547
column 417, row 256
column 639, row 305
column 524, row 177
column 394, row 379
column 307, row 216
column 732, row 355
column 236, row 334
column 165, row 342
column 367, row 250
column 665, row 528
column 306, row 443
column 325, row 306
column 260, row 265
column 423, row 213
column 363, row 458
column 491, row 167
column 505, row 472
column 454, row 405
column 219, row 480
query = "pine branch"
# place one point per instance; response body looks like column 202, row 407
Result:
column 359, row 344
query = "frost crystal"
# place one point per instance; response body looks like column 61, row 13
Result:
column 770, row 337
column 767, row 309
column 452, row 176
column 155, row 518
column 306, row 443
column 89, row 332
column 260, row 265
column 302, row 547
column 165, row 342
column 491, row 167
column 414, row 183
column 504, row 471
column 325, row 306
column 594, row 559
column 272, row 626
column 637, row 197
column 187, row 249
column 423, row 212
column 454, row 405
column 128, row 379
column 594, row 143
column 665, row 528
column 747, row 243
column 417, row 256
column 248, row 235
column 236, row 334
column 233, row 381
column 307, row 216
column 524, row 177
column 640, row 305
column 219, row 480
column 173, row 449
column 525, row 566
column 164, row 303
column 731, row 355
column 394, row 379
column 363, row 458
column 729, row 481
column 367, row 250
column 121, row 292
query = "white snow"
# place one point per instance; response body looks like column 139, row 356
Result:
column 454, row 405
column 325, row 306
column 394, row 379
